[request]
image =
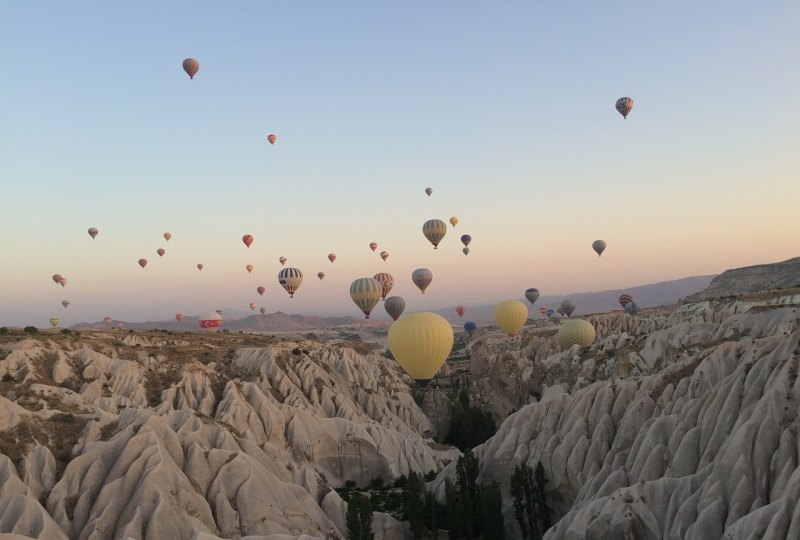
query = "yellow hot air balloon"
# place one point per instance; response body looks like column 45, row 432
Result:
column 249, row 268
column 421, row 342
column 576, row 332
column 434, row 230
column 54, row 321
column 366, row 292
column 454, row 221
column 511, row 316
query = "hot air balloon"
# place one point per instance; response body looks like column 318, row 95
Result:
column 434, row 230
column 625, row 299
column 57, row 278
column 320, row 275
column 179, row 316
column 550, row 313
column 568, row 306
column 394, row 306
column 93, row 232
column 272, row 138
column 386, row 281
column 282, row 260
column 191, row 66
column 543, row 311
column 532, row 295
column 247, row 239
column 366, row 292
column 466, row 239
column 63, row 282
column 421, row 342
column 373, row 246
column 465, row 251
column 120, row 325
column 632, row 308
column 460, row 310
column 576, row 332
column 65, row 303
column 454, row 221
column 599, row 246
column 167, row 236
column 249, row 268
column 262, row 310
column 161, row 252
column 260, row 290
column 290, row 279
column 107, row 321
column 253, row 306
column 555, row 317
column 210, row 322
column 219, row 312
column 199, row 266
column 428, row 191
column 422, row 277
column 561, row 311
column 54, row 321
column 384, row 255
column 331, row 257
column 624, row 105
column 470, row 327
column 511, row 316
column 142, row 262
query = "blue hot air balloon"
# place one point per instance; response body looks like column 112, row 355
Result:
column 466, row 239
column 470, row 327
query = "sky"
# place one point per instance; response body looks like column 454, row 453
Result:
column 505, row 110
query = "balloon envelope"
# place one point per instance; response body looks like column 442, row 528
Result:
column 386, row 280
column 179, row 316
column 434, row 230
column 625, row 299
column 624, row 106
column 454, row 221
column 253, row 306
column 142, row 262
column 65, row 303
column 532, row 295
column 260, row 290
column 373, row 246
column 599, row 246
column 632, row 308
column 421, row 342
column 568, row 306
column 466, row 239
column 211, row 321
column 191, row 66
column 429, row 191
column 262, row 310
column 54, row 321
column 576, row 332
column 249, row 268
column 320, row 275
column 282, row 260
column 199, row 266
column 57, row 278
column 331, row 257
column 366, row 292
column 247, row 239
column 161, row 252
column 272, row 138
column 167, row 236
column 470, row 327
column 93, row 232
column 460, row 310
column 394, row 306
column 511, row 316
column 466, row 251
column 290, row 279
column 422, row 277
column 384, row 255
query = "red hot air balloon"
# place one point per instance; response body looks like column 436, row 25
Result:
column 260, row 290
column 543, row 311
column 460, row 310
column 142, row 262
column 93, row 232
column 179, row 316
column 161, row 252
column 191, row 67
column 253, row 306
column 107, row 320
column 320, row 275
column 199, row 266
column 247, row 239
column 331, row 257
column 211, row 322
column 373, row 246
column 272, row 138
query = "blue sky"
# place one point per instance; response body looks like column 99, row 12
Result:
column 506, row 111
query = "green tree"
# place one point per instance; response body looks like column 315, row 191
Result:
column 414, row 503
column 530, row 500
column 491, row 522
column 30, row 330
column 541, row 509
column 359, row 518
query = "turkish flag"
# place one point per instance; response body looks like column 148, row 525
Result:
column 210, row 324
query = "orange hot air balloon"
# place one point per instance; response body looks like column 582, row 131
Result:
column 331, row 257
column 249, row 268
column 199, row 266
column 272, row 138
column 247, row 239
column 384, row 255
column 253, row 306
column 167, row 236
column 373, row 246
column 260, row 290
column 282, row 260
column 161, row 252
column 142, row 262
column 460, row 310
column 191, row 66
column 179, row 316
column 93, row 232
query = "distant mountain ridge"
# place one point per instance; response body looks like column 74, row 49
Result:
column 759, row 277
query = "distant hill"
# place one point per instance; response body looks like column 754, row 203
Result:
column 749, row 279
column 655, row 294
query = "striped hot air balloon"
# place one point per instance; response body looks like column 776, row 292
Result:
column 624, row 106
column 142, row 262
column 625, row 299
column 260, row 290
column 290, row 279
column 247, row 239
column 422, row 277
column 161, row 252
column 366, row 292
column 386, row 280
column 434, row 230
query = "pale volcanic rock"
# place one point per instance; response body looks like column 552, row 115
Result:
column 20, row 511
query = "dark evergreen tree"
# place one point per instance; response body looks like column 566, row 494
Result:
column 359, row 518
column 530, row 501
column 414, row 503
column 491, row 522
column 542, row 511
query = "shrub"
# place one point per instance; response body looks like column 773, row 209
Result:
column 3, row 330
column 8, row 377
column 66, row 331
column 30, row 330
column 376, row 483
